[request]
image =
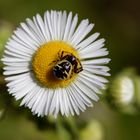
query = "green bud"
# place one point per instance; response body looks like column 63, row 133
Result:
column 122, row 91
column 93, row 131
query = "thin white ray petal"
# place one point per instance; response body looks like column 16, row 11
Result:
column 91, row 85
column 66, row 108
column 89, row 92
column 13, row 80
column 69, row 103
column 17, row 64
column 95, row 77
column 24, row 91
column 73, row 103
column 90, row 49
column 25, row 38
column 11, row 59
column 41, row 26
column 30, row 33
column 33, row 29
column 77, row 101
column 37, row 101
column 15, row 72
column 102, row 68
column 63, row 24
column 83, row 100
column 82, row 35
column 12, row 68
column 17, row 54
column 33, row 99
column 80, row 29
column 50, row 93
column 20, row 85
column 30, row 95
column 54, row 24
column 97, row 71
column 46, row 28
column 41, row 107
column 15, row 46
column 87, row 41
column 53, row 104
column 16, row 77
column 61, row 102
column 91, row 79
column 59, row 25
column 73, row 26
column 49, row 23
column 68, row 25
column 57, row 104
column 94, row 54
column 96, row 61
column 93, row 46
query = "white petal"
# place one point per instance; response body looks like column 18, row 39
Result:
column 34, row 99
column 17, row 47
column 50, row 93
column 80, row 29
column 93, row 46
column 59, row 25
column 68, row 25
column 69, row 104
column 26, row 38
column 93, row 78
column 88, row 91
column 41, row 107
column 53, row 104
column 37, row 101
column 30, row 95
column 82, row 95
column 96, row 61
column 54, row 24
column 34, row 30
column 102, row 68
column 73, row 26
column 24, row 91
column 94, row 54
column 41, row 26
column 97, row 71
column 49, row 23
column 73, row 102
column 82, row 34
column 15, row 72
column 18, row 55
column 63, row 24
column 87, row 41
column 30, row 33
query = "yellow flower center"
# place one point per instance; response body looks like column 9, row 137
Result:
column 46, row 58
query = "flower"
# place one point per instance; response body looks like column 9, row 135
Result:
column 37, row 49
column 123, row 92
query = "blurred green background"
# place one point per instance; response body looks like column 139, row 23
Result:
column 119, row 23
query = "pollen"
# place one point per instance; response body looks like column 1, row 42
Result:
column 45, row 59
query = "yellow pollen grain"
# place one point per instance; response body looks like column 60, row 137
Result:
column 43, row 63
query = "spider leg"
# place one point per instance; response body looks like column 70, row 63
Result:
column 77, row 70
column 64, row 53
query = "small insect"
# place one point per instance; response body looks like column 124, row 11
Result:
column 66, row 65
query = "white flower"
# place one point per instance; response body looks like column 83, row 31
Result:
column 33, row 51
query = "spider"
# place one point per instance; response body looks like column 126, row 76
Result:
column 66, row 65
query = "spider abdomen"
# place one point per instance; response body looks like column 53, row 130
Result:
column 63, row 69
